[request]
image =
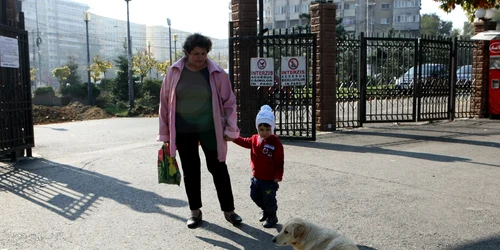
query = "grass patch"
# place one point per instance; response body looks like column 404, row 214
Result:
column 118, row 112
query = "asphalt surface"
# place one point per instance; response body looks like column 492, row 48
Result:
column 93, row 185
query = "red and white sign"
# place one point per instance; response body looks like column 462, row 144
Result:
column 495, row 48
column 261, row 71
column 293, row 71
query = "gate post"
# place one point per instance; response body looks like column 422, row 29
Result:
column 244, row 16
column 323, row 24
column 480, row 71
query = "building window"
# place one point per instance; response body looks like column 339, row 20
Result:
column 405, row 3
column 384, row 20
column 385, row 6
column 348, row 21
column 406, row 19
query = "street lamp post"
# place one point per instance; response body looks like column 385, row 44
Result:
column 86, row 18
column 130, row 78
column 169, row 39
column 175, row 47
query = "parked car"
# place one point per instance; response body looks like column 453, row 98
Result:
column 464, row 75
column 429, row 70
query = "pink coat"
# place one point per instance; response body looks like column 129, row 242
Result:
column 223, row 103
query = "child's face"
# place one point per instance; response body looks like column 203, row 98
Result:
column 265, row 131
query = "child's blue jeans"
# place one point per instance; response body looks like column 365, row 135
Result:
column 263, row 193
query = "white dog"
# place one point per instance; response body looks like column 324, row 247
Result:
column 304, row 235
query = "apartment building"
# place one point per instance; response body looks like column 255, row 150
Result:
column 281, row 14
column 56, row 31
column 372, row 16
column 59, row 30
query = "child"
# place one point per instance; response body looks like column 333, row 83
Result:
column 266, row 160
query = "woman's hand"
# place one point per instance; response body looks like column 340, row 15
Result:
column 277, row 180
column 227, row 138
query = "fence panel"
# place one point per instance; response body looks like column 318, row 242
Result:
column 294, row 106
column 435, row 74
column 16, row 120
column 390, row 95
column 348, row 94
column 463, row 84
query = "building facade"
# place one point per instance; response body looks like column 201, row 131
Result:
column 57, row 31
column 369, row 16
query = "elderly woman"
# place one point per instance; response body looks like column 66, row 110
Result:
column 198, row 107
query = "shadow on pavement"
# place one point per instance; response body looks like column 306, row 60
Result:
column 454, row 137
column 256, row 239
column 491, row 243
column 376, row 150
column 73, row 192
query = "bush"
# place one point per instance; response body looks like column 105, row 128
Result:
column 80, row 90
column 151, row 90
column 44, row 90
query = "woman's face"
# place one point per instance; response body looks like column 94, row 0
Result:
column 197, row 57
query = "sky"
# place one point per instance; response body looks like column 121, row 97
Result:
column 456, row 16
column 209, row 17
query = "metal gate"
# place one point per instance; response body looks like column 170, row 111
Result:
column 401, row 79
column 16, row 120
column 294, row 106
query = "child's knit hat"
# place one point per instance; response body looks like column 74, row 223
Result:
column 266, row 116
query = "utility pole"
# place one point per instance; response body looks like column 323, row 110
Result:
column 130, row 76
column 170, row 40
column 38, row 42
column 89, row 84
column 149, row 56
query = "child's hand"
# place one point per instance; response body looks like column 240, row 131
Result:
column 277, row 180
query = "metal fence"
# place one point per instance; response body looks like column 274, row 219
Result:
column 294, row 106
column 389, row 78
column 16, row 120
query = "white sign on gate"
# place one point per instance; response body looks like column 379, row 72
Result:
column 293, row 71
column 9, row 52
column 261, row 71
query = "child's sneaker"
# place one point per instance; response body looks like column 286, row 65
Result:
column 270, row 222
column 263, row 216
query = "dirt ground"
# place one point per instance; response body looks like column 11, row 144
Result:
column 75, row 111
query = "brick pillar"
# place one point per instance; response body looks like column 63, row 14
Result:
column 244, row 15
column 480, row 71
column 323, row 24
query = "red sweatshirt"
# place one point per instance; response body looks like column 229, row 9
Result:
column 266, row 158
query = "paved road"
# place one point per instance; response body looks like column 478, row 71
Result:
column 411, row 186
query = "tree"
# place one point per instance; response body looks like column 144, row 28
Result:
column 143, row 62
column 162, row 67
column 61, row 74
column 103, row 65
column 455, row 32
column 95, row 72
column 73, row 77
column 33, row 73
column 469, row 6
column 432, row 25
column 120, row 86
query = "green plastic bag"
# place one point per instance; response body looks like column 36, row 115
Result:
column 168, row 170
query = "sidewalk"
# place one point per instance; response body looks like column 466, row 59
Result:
column 414, row 186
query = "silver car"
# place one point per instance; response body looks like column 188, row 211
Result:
column 464, row 75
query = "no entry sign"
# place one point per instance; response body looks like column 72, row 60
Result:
column 293, row 71
column 262, row 71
